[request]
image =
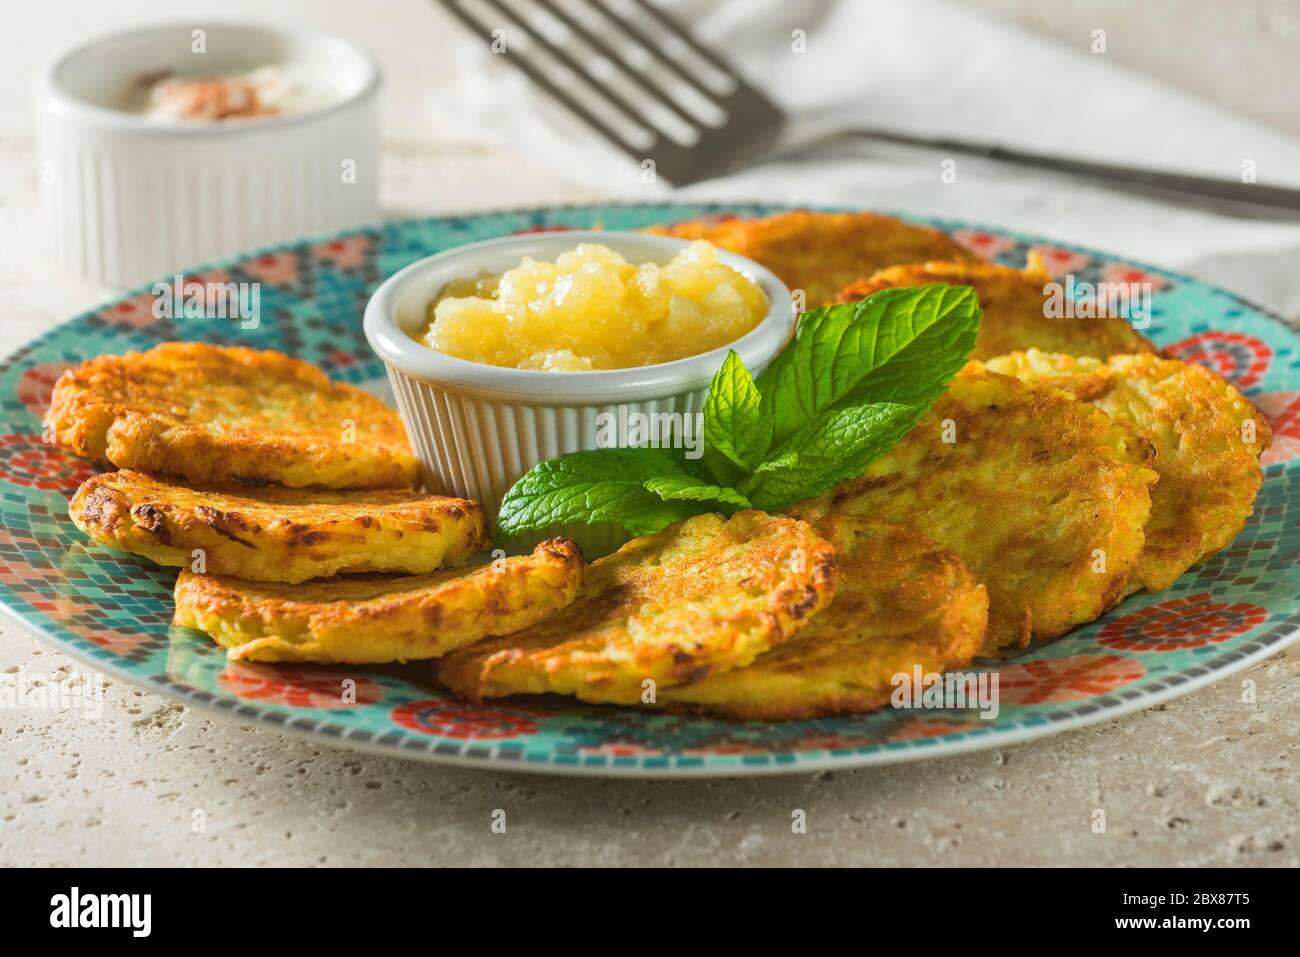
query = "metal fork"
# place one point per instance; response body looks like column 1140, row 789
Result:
column 685, row 146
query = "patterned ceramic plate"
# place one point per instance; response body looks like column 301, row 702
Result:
column 112, row 611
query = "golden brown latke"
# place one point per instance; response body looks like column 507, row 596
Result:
column 1042, row 496
column 901, row 603
column 703, row 596
column 229, row 414
column 1206, row 440
column 1014, row 309
column 276, row 533
column 821, row 253
column 372, row 619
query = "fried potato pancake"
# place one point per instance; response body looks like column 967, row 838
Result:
column 1205, row 436
column 1014, row 305
column 229, row 414
column 276, row 533
column 1042, row 496
column 372, row 619
column 821, row 253
column 901, row 603
column 703, row 596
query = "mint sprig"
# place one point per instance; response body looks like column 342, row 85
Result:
column 856, row 378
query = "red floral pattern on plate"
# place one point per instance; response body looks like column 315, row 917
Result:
column 338, row 359
column 349, row 252
column 725, row 747
column 984, row 245
column 1054, row 680
column 298, row 687
column 615, row 749
column 192, row 286
column 1239, row 358
column 36, row 386
column 134, row 313
column 138, row 312
column 1060, row 262
column 464, row 720
column 1193, row 621
column 279, row 269
column 35, row 584
column 1283, row 412
column 912, row 729
column 1124, row 274
column 113, row 639
column 29, row 461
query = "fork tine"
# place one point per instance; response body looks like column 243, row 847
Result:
column 673, row 27
column 637, row 34
column 749, row 125
column 560, row 14
column 538, row 77
column 563, row 56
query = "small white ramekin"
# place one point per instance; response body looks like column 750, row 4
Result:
column 477, row 428
column 129, row 198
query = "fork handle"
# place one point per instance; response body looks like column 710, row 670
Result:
column 1278, row 197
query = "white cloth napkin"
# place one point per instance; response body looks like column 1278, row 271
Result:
column 934, row 67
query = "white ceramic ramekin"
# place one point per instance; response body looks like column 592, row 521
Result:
column 129, row 198
column 477, row 428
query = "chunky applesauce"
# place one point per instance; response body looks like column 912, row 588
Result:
column 592, row 309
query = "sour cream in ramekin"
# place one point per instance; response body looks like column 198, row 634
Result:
column 133, row 190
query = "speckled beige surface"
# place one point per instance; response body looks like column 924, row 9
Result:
column 1205, row 780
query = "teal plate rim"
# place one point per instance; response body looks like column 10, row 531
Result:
column 107, row 610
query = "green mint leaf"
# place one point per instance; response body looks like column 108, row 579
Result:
column 603, row 485
column 941, row 329
column 686, row 488
column 838, row 444
column 899, row 345
column 735, row 426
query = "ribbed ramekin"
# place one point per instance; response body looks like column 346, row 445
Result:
column 128, row 198
column 477, row 428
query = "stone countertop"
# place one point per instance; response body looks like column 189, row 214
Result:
column 1203, row 780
